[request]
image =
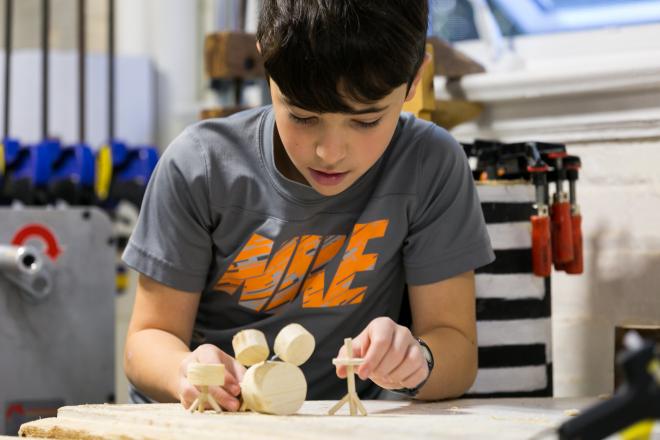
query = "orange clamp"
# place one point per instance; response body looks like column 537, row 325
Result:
column 541, row 245
column 562, row 234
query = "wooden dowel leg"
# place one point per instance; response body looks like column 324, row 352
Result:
column 338, row 405
column 214, row 404
column 361, row 407
column 193, row 407
column 351, row 390
column 202, row 399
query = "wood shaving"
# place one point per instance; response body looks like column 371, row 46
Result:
column 572, row 412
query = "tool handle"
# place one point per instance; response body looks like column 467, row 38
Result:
column 562, row 234
column 576, row 266
column 608, row 417
column 541, row 246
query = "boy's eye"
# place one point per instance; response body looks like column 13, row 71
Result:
column 302, row 121
column 370, row 124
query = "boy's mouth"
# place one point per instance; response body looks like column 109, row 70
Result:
column 326, row 178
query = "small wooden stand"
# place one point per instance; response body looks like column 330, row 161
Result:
column 352, row 397
column 203, row 376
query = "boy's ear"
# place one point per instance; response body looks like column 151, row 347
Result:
column 259, row 48
column 418, row 76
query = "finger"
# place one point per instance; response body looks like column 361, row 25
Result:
column 412, row 361
column 234, row 373
column 415, row 378
column 224, row 398
column 237, row 370
column 187, row 393
column 341, row 369
column 401, row 341
column 210, row 354
column 357, row 346
column 380, row 336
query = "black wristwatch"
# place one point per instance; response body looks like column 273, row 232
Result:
column 428, row 355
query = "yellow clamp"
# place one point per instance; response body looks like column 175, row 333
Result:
column 2, row 159
column 103, row 172
column 639, row 431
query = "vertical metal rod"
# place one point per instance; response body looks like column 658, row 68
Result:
column 242, row 15
column 111, row 70
column 9, row 7
column 81, row 69
column 45, row 29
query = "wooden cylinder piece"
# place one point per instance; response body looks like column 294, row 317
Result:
column 274, row 388
column 250, row 347
column 206, row 374
column 294, row 344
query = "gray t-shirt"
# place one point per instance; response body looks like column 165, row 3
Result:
column 265, row 251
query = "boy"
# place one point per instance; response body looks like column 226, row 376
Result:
column 317, row 210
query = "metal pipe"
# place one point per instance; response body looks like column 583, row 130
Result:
column 81, row 69
column 20, row 259
column 26, row 268
column 9, row 8
column 45, row 29
column 111, row 70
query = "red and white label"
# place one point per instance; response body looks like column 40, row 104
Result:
column 40, row 233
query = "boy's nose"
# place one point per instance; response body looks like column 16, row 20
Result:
column 331, row 149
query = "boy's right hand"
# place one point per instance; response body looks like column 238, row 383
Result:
column 226, row 395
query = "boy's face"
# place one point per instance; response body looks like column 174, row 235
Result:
column 330, row 151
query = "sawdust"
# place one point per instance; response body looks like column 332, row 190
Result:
column 525, row 420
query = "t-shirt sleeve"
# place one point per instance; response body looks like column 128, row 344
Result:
column 447, row 234
column 171, row 242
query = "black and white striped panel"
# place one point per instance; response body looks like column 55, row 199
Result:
column 513, row 305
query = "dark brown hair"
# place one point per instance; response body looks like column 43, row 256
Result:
column 320, row 52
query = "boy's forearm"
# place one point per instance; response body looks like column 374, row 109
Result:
column 151, row 361
column 455, row 367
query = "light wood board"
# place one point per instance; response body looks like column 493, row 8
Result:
column 395, row 420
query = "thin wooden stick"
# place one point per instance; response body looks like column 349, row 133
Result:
column 351, row 378
column 194, row 405
column 214, row 404
column 361, row 407
column 202, row 399
column 338, row 405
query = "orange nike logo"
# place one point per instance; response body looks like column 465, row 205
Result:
column 270, row 281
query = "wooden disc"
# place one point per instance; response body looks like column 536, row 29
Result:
column 206, row 374
column 294, row 344
column 274, row 388
column 250, row 347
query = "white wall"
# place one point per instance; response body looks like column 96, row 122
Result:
column 600, row 93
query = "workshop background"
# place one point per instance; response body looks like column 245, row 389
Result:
column 585, row 73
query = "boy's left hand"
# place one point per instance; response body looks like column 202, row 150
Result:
column 393, row 358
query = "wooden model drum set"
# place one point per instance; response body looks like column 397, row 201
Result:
column 276, row 386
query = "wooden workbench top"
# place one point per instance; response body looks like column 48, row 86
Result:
column 396, row 420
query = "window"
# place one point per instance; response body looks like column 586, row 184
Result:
column 454, row 20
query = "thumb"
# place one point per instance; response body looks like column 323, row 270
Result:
column 359, row 346
column 209, row 355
